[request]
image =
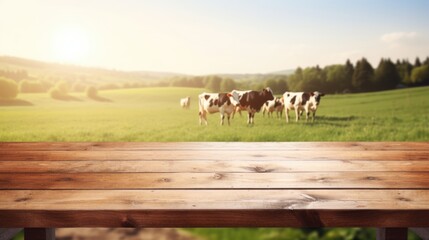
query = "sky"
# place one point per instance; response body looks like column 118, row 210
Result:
column 208, row 36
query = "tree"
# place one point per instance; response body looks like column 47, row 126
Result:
column 420, row 75
column 91, row 92
column 336, row 78
column 349, row 70
column 426, row 62
column 282, row 84
column 213, row 83
column 8, row 88
column 404, row 69
column 27, row 86
column 417, row 63
column 227, row 85
column 362, row 76
column 386, row 76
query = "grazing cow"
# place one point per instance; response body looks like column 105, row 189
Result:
column 252, row 101
column 185, row 102
column 239, row 108
column 224, row 103
column 300, row 101
column 271, row 106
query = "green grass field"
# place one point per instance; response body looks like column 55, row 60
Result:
column 154, row 114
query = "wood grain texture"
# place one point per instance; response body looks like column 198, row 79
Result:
column 338, row 180
column 316, row 184
column 215, row 218
column 203, row 155
column 210, row 166
column 214, row 199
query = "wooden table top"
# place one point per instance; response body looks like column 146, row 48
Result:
column 305, row 184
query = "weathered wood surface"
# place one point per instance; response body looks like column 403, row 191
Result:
column 319, row 184
column 293, row 180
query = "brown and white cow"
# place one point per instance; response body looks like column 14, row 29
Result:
column 185, row 102
column 271, row 106
column 252, row 101
column 239, row 108
column 224, row 103
column 299, row 101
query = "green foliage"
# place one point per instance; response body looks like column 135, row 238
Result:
column 417, row 63
column 277, row 83
column 91, row 92
column 61, row 91
column 404, row 69
column 108, row 86
column 386, row 76
column 62, row 87
column 78, row 87
column 420, row 75
column 336, row 78
column 213, row 83
column 55, row 93
column 227, row 85
column 28, row 86
column 8, row 88
column 362, row 76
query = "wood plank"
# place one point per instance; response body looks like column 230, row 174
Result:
column 392, row 233
column 250, row 155
column 210, row 166
column 39, row 234
column 185, row 146
column 295, row 180
column 215, row 218
column 218, row 200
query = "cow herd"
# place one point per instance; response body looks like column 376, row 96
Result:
column 227, row 104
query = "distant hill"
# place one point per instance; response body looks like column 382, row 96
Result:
column 283, row 72
column 68, row 72
column 40, row 70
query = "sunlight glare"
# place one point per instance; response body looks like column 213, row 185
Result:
column 71, row 45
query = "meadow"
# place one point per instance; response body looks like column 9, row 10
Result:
column 154, row 114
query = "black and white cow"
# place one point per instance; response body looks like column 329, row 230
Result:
column 239, row 108
column 301, row 101
column 252, row 101
column 224, row 103
column 273, row 105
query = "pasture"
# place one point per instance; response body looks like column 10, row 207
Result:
column 154, row 114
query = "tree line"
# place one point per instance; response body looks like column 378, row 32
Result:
column 361, row 77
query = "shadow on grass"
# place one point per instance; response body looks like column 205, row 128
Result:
column 336, row 119
column 100, row 99
column 331, row 120
column 14, row 102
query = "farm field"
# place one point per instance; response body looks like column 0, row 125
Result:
column 154, row 114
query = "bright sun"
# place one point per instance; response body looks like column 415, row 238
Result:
column 71, row 45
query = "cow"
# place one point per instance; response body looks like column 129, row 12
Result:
column 252, row 101
column 271, row 106
column 239, row 108
column 185, row 102
column 224, row 103
column 301, row 101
